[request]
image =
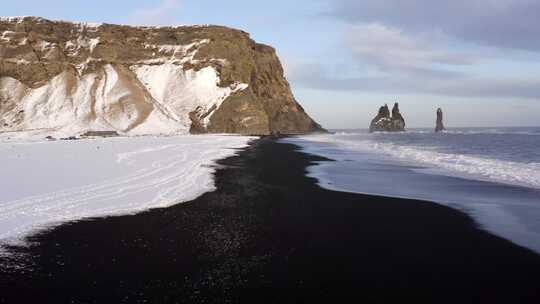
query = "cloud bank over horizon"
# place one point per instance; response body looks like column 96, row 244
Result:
column 498, row 23
column 433, row 47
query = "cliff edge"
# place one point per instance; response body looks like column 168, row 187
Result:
column 69, row 78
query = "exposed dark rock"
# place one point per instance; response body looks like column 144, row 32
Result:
column 384, row 122
column 69, row 138
column 100, row 134
column 440, row 126
column 382, row 119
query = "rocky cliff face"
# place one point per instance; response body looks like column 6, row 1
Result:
column 69, row 78
column 384, row 122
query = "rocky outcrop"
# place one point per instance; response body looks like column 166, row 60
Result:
column 439, row 124
column 380, row 121
column 384, row 122
column 71, row 78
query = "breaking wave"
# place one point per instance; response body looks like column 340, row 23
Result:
column 463, row 155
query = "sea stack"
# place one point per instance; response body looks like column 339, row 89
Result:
column 439, row 126
column 386, row 122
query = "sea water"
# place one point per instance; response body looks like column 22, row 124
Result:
column 492, row 174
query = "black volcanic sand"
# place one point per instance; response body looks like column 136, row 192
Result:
column 270, row 234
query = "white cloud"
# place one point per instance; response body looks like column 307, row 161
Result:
column 390, row 48
column 163, row 14
column 499, row 23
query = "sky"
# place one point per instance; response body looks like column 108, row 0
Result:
column 479, row 60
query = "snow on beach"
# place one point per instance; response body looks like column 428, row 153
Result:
column 47, row 183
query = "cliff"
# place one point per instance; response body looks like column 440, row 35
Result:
column 68, row 78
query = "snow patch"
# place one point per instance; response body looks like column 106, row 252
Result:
column 182, row 92
column 17, row 19
column 144, row 100
column 177, row 54
column 70, row 104
column 103, row 177
column 20, row 19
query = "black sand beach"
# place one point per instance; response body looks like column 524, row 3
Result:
column 270, row 234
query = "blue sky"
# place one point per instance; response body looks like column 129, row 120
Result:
column 477, row 59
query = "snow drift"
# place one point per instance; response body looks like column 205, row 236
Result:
column 102, row 177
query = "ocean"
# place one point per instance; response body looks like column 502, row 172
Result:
column 492, row 174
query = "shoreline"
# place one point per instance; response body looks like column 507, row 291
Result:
column 504, row 209
column 271, row 234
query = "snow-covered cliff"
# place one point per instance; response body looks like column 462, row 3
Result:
column 62, row 78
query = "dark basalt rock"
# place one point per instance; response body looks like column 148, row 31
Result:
column 386, row 122
column 439, row 124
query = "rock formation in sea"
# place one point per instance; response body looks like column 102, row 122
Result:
column 439, row 124
column 386, row 122
column 71, row 78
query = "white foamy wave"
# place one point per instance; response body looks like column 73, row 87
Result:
column 492, row 131
column 501, row 131
column 524, row 174
column 468, row 166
